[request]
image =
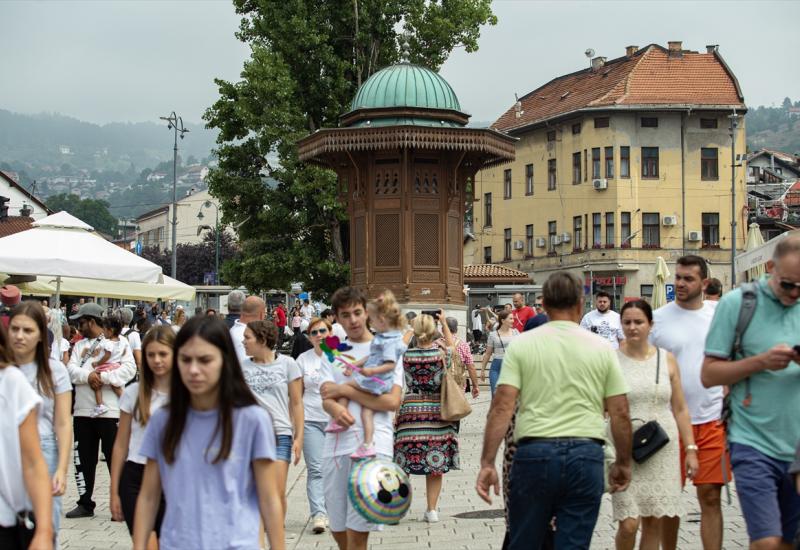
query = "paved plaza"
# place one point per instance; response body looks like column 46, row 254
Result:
column 466, row 521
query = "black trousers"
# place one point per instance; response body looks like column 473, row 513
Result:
column 11, row 540
column 477, row 335
column 130, row 483
column 90, row 435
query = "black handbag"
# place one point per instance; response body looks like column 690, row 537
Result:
column 650, row 437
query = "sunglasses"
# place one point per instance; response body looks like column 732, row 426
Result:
column 319, row 331
column 789, row 286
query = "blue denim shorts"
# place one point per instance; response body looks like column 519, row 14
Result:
column 283, row 444
column 770, row 505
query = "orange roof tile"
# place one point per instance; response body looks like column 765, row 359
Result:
column 650, row 77
column 492, row 271
column 14, row 224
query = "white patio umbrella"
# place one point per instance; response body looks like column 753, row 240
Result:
column 755, row 240
column 170, row 289
column 660, row 284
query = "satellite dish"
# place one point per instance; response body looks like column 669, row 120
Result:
column 589, row 52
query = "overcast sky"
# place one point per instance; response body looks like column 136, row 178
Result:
column 105, row 61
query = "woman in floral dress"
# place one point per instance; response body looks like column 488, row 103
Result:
column 424, row 444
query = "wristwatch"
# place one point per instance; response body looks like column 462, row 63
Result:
column 694, row 448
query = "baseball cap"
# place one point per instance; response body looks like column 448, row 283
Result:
column 88, row 310
column 10, row 295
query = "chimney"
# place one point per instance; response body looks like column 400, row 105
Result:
column 675, row 48
column 630, row 50
column 4, row 208
column 598, row 62
column 712, row 48
column 25, row 211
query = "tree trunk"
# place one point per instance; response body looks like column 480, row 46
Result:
column 336, row 241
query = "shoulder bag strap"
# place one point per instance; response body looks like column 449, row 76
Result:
column 501, row 341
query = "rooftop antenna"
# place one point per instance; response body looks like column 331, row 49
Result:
column 589, row 53
column 517, row 106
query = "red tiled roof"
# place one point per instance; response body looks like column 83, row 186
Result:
column 650, row 77
column 492, row 271
column 14, row 224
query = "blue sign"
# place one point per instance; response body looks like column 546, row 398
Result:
column 138, row 248
column 670, row 292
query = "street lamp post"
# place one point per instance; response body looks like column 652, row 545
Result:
column 734, row 126
column 175, row 122
column 209, row 204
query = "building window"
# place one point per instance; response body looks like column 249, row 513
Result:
column 551, row 135
column 708, row 123
column 585, row 165
column 610, row 229
column 609, row 162
column 710, row 222
column 551, row 175
column 487, row 254
column 507, row 244
column 529, row 179
column 646, row 293
column 649, row 122
column 595, row 162
column 601, row 122
column 625, row 229
column 529, row 241
column 651, row 230
column 507, row 184
column 649, row 162
column 576, row 168
column 597, row 230
column 624, row 162
column 709, row 165
column 487, row 209
column 577, row 230
column 551, row 238
column 576, row 128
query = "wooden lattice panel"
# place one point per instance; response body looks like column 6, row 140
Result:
column 387, row 240
column 426, row 239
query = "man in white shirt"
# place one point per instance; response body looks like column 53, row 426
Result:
column 681, row 328
column 477, row 324
column 307, row 311
column 349, row 529
column 253, row 309
column 604, row 321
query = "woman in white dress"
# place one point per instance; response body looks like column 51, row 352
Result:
column 654, row 378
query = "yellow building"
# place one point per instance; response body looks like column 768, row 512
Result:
column 616, row 165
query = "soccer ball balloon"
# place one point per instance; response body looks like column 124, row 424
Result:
column 379, row 490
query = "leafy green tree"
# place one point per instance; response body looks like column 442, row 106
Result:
column 195, row 260
column 307, row 60
column 92, row 211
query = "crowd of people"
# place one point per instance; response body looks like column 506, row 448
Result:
column 636, row 403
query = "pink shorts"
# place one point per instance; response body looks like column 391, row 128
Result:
column 105, row 367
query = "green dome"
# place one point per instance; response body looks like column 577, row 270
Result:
column 406, row 85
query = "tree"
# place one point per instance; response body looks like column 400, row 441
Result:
column 194, row 260
column 307, row 60
column 92, row 211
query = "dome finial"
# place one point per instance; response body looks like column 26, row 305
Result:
column 405, row 50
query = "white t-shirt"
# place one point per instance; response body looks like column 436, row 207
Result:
column 308, row 312
column 311, row 365
column 683, row 332
column 237, row 335
column 127, row 402
column 81, row 368
column 270, row 385
column 61, row 384
column 712, row 304
column 476, row 320
column 338, row 330
column 345, row 443
column 134, row 339
column 17, row 400
column 605, row 324
column 115, row 347
column 57, row 351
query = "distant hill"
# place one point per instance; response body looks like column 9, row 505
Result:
column 775, row 128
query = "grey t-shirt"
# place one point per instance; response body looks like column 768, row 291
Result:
column 499, row 344
column 211, row 506
column 270, row 385
column 61, row 384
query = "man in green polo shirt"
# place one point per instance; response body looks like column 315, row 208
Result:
column 764, row 380
column 565, row 378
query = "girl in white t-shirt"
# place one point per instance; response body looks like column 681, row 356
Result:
column 110, row 351
column 28, row 342
column 138, row 402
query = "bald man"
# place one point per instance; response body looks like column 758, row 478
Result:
column 253, row 309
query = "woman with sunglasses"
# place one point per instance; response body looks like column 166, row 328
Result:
column 316, row 419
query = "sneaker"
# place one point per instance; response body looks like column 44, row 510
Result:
column 334, row 428
column 364, row 451
column 80, row 511
column 431, row 516
column 99, row 410
column 318, row 524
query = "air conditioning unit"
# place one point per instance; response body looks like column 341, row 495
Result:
column 556, row 240
column 670, row 220
column 541, row 242
column 566, row 237
column 599, row 185
column 518, row 245
column 695, row 236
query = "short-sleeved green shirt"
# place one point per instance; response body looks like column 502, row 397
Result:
column 563, row 374
column 771, row 423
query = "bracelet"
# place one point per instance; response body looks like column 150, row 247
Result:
column 694, row 448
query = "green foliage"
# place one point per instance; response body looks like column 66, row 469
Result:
column 307, row 61
column 195, row 260
column 92, row 211
column 774, row 128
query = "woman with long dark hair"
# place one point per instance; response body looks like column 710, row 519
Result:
column 30, row 348
column 211, row 450
column 496, row 344
column 138, row 403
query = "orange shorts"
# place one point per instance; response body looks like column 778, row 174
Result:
column 710, row 440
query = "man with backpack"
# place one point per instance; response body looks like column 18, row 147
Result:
column 756, row 357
